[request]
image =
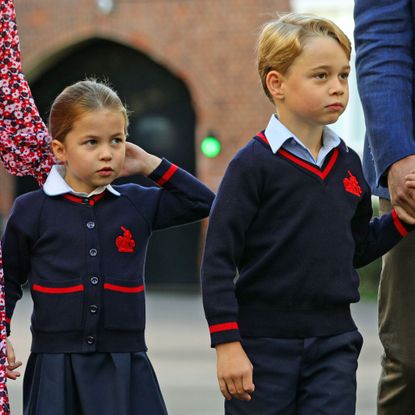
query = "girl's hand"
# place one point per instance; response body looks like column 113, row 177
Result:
column 138, row 161
column 11, row 362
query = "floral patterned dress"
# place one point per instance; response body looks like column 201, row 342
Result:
column 24, row 141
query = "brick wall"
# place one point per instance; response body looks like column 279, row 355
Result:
column 210, row 44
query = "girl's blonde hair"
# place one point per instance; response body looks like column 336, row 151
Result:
column 78, row 99
column 282, row 40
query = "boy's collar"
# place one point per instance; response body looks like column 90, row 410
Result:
column 56, row 185
column 277, row 134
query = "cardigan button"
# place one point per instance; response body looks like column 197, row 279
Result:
column 94, row 280
column 90, row 339
column 93, row 308
column 90, row 225
column 93, row 252
column 85, row 201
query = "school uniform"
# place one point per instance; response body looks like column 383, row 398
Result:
column 83, row 257
column 295, row 230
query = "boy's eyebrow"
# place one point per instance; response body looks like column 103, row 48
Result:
column 346, row 67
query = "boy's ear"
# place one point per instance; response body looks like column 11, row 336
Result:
column 58, row 149
column 275, row 84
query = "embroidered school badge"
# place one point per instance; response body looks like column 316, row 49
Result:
column 352, row 185
column 125, row 242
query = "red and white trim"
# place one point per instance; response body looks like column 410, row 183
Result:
column 215, row 328
column 58, row 290
column 261, row 135
column 167, row 175
column 398, row 224
column 302, row 163
column 123, row 288
column 77, row 199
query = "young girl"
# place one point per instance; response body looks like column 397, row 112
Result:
column 80, row 243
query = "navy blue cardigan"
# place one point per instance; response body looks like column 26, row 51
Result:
column 84, row 259
column 283, row 240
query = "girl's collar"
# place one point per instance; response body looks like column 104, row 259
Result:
column 56, row 185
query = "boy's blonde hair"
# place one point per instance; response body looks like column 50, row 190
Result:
column 282, row 40
column 78, row 99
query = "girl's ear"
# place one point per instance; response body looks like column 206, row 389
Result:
column 59, row 151
column 275, row 85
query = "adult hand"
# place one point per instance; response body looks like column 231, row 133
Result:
column 402, row 196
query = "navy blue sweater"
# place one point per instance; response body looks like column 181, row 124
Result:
column 84, row 259
column 283, row 242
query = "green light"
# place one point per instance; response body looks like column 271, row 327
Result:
column 210, row 147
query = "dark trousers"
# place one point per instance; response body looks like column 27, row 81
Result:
column 313, row 376
column 397, row 327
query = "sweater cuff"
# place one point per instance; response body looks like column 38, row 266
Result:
column 224, row 333
column 402, row 227
column 163, row 172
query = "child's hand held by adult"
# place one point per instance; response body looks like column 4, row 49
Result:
column 12, row 364
column 399, row 185
column 409, row 181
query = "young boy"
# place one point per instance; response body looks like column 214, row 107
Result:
column 292, row 216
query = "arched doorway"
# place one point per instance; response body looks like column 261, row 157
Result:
column 162, row 121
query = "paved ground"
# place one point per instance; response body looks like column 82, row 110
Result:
column 179, row 349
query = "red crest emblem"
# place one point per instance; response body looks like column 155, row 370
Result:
column 125, row 242
column 352, row 185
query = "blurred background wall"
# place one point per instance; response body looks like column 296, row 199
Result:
column 185, row 68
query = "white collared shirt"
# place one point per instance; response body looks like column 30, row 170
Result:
column 278, row 135
column 56, row 185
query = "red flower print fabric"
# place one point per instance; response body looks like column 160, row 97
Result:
column 24, row 142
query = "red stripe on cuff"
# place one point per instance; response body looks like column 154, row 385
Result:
column 123, row 289
column 167, row 176
column 398, row 224
column 223, row 327
column 53, row 290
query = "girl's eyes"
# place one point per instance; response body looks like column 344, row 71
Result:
column 93, row 142
column 117, row 140
column 320, row 76
column 344, row 76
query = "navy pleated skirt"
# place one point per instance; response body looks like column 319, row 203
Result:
column 91, row 384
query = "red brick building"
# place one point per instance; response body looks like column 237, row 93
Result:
column 186, row 68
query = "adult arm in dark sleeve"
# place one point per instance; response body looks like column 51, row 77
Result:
column 384, row 63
